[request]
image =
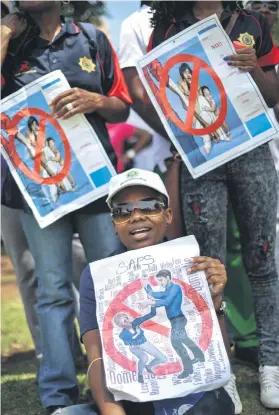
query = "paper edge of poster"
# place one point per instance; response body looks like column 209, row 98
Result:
column 227, row 156
column 190, row 240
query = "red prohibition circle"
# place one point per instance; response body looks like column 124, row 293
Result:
column 198, row 64
column 34, row 175
column 117, row 306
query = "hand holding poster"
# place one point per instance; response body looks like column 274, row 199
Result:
column 159, row 330
column 59, row 166
column 212, row 112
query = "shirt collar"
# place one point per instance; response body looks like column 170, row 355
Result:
column 67, row 29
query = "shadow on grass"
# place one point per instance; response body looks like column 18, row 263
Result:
column 20, row 395
column 20, row 363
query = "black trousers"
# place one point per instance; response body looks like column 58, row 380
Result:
column 180, row 339
column 215, row 402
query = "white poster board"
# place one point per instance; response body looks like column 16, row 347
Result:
column 58, row 165
column 211, row 111
column 171, row 349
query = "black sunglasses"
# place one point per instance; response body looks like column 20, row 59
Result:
column 148, row 207
column 272, row 6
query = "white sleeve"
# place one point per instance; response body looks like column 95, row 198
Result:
column 131, row 48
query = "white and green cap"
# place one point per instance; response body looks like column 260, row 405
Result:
column 135, row 177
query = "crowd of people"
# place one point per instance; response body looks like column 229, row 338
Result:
column 48, row 262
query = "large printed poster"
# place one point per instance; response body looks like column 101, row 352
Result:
column 59, row 166
column 212, row 112
column 159, row 330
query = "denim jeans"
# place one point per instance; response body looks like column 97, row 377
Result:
column 216, row 402
column 250, row 182
column 52, row 250
column 143, row 352
column 180, row 339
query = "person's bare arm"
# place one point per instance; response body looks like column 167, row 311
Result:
column 141, row 102
column 144, row 139
column 112, row 109
column 268, row 84
column 96, row 376
column 12, row 26
column 216, row 276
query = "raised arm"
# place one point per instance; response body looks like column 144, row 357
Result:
column 138, row 321
column 155, row 294
column 12, row 26
column 113, row 105
column 169, row 298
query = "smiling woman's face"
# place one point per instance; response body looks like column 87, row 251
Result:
column 141, row 231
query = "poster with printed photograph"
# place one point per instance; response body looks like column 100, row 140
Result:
column 160, row 335
column 212, row 112
column 59, row 166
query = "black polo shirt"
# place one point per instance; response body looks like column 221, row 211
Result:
column 31, row 57
column 251, row 28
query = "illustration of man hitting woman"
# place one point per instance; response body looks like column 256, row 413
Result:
column 133, row 336
column 171, row 298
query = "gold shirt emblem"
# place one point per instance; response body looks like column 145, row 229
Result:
column 87, row 64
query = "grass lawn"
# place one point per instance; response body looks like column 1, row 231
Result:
column 19, row 386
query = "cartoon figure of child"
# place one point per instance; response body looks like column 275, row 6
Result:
column 133, row 336
column 224, row 131
column 59, row 159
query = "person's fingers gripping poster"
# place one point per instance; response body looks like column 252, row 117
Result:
column 158, row 327
column 59, row 166
column 211, row 111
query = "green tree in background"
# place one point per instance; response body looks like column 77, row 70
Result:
column 86, row 11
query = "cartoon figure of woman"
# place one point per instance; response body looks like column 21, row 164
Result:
column 133, row 336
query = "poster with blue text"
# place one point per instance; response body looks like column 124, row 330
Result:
column 58, row 165
column 211, row 111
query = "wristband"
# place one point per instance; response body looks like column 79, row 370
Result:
column 93, row 361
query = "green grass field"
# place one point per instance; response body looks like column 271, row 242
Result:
column 19, row 386
column 19, row 371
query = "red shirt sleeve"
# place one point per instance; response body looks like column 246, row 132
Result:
column 119, row 88
column 113, row 81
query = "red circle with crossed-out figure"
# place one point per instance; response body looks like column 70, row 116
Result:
column 10, row 125
column 118, row 306
column 198, row 64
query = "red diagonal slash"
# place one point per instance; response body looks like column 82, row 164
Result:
column 193, row 96
column 11, row 127
column 39, row 146
column 117, row 306
column 198, row 64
